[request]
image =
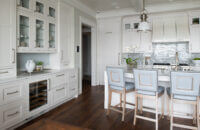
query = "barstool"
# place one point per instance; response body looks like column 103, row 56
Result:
column 117, row 84
column 146, row 85
column 184, row 89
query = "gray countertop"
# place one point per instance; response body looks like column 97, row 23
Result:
column 24, row 75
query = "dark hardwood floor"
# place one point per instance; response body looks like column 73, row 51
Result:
column 87, row 111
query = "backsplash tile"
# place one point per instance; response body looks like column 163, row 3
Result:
column 165, row 53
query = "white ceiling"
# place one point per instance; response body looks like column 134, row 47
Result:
column 107, row 5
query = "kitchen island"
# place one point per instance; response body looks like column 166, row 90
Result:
column 163, row 80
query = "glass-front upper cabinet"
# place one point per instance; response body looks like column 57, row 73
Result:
column 52, row 12
column 52, row 35
column 39, row 7
column 23, row 30
column 24, row 4
column 39, row 41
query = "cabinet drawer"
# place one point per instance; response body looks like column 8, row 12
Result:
column 73, row 76
column 73, row 89
column 59, row 94
column 12, row 92
column 12, row 114
column 4, row 73
column 58, row 80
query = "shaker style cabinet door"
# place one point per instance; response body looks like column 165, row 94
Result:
column 158, row 30
column 66, row 31
column 194, row 38
column 182, row 28
column 169, row 30
column 7, row 35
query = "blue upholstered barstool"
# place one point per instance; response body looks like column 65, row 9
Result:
column 146, row 85
column 117, row 84
column 184, row 89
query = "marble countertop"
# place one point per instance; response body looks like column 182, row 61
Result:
column 24, row 75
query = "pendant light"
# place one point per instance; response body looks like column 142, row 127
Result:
column 144, row 25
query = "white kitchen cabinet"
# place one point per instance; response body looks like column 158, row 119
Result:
column 59, row 94
column 158, row 30
column 66, row 34
column 40, row 39
column 37, row 27
column 12, row 114
column 194, row 44
column 169, row 29
column 25, row 5
column 182, row 28
column 7, row 38
column 11, row 92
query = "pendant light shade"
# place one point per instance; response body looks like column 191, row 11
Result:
column 144, row 25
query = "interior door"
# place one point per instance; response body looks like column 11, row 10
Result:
column 109, row 46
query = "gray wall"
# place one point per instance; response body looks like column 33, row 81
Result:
column 22, row 58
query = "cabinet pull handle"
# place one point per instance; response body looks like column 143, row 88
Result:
column 60, row 75
column 13, row 114
column 73, row 89
column 4, row 72
column 13, row 56
column 60, row 89
column 73, row 76
column 12, row 93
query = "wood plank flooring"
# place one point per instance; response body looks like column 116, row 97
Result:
column 87, row 111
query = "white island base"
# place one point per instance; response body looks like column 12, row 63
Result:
column 181, row 110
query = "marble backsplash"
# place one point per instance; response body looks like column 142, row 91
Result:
column 165, row 53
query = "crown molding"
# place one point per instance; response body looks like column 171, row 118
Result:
column 157, row 8
column 82, row 7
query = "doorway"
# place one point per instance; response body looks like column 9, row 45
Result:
column 86, row 57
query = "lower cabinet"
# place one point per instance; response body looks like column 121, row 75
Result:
column 20, row 100
column 59, row 94
column 12, row 114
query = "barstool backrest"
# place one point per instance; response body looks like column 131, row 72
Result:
column 146, row 80
column 184, row 83
column 115, row 76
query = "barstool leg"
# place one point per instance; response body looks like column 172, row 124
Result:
column 198, row 113
column 163, row 100
column 109, row 100
column 141, row 104
column 124, row 105
column 120, row 99
column 195, row 114
column 168, row 108
column 156, row 111
column 136, row 107
column 171, row 115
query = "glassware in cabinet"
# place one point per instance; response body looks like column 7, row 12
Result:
column 39, row 7
column 52, row 34
column 23, row 31
column 39, row 34
column 24, row 4
column 52, row 12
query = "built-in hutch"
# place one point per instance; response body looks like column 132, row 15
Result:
column 31, row 27
column 36, row 26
